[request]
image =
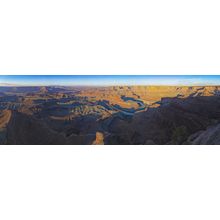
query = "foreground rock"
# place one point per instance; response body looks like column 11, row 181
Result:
column 210, row 136
column 99, row 139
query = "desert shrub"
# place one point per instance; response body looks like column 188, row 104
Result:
column 179, row 135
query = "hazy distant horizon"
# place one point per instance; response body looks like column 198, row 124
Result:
column 109, row 80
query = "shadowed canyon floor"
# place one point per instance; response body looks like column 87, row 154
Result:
column 110, row 115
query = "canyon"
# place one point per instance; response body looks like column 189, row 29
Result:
column 109, row 115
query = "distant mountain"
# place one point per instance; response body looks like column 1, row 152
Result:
column 7, row 84
column 43, row 89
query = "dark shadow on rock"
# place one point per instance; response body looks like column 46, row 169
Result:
column 170, row 123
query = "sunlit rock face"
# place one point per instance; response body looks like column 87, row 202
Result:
column 99, row 139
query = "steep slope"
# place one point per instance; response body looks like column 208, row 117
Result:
column 207, row 137
column 170, row 123
column 26, row 129
column 149, row 94
column 5, row 116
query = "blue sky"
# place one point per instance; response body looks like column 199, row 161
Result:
column 105, row 80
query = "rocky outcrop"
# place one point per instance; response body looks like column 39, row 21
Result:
column 5, row 116
column 209, row 136
column 149, row 94
column 170, row 123
column 99, row 140
column 43, row 89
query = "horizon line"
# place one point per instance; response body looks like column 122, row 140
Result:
column 174, row 85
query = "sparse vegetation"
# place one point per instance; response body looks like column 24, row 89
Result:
column 180, row 134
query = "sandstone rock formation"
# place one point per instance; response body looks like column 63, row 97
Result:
column 99, row 139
